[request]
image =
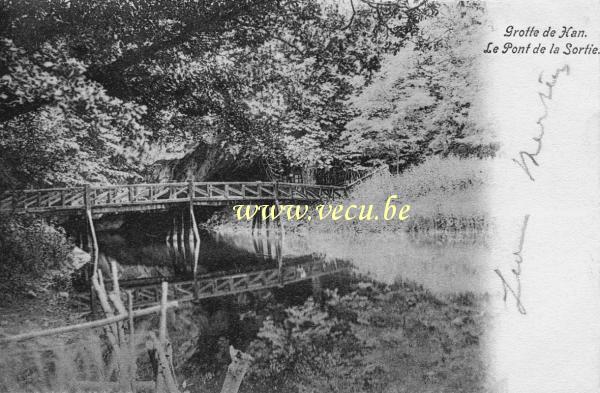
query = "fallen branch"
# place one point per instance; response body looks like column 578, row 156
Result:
column 240, row 362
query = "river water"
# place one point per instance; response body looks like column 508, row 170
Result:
column 441, row 264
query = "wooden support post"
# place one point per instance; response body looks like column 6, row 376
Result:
column 317, row 289
column 259, row 223
column 115, row 276
column 268, row 224
column 98, row 282
column 92, row 231
column 163, row 312
column 115, row 297
column 174, row 236
column 279, row 253
column 194, row 224
column 256, row 245
column 131, row 325
column 181, row 236
column 167, row 238
column 113, row 332
column 191, row 238
column 132, row 358
column 87, row 196
column 269, row 243
column 160, row 350
column 196, row 259
column 90, row 221
column 279, row 220
column 194, row 228
column 125, row 367
column 162, row 367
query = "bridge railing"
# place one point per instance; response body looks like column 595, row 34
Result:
column 189, row 290
column 55, row 198
column 122, row 196
column 231, row 284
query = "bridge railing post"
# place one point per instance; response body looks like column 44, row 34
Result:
column 191, row 190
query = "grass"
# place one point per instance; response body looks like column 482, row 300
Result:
column 445, row 194
column 61, row 362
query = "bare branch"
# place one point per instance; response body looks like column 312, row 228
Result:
column 352, row 17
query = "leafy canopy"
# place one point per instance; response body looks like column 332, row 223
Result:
column 424, row 100
column 86, row 86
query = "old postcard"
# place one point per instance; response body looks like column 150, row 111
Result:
column 350, row 196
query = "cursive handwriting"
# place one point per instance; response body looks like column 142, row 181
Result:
column 544, row 97
column 516, row 293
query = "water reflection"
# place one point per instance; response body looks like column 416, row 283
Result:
column 448, row 266
column 444, row 265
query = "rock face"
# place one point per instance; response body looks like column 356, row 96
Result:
column 79, row 258
column 207, row 162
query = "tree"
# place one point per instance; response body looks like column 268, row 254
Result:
column 84, row 132
column 425, row 99
column 99, row 82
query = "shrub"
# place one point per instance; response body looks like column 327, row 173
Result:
column 308, row 346
column 436, row 176
column 32, row 249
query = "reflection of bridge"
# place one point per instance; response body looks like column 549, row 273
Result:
column 145, row 294
column 141, row 197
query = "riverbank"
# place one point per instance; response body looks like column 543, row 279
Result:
column 372, row 338
column 36, row 265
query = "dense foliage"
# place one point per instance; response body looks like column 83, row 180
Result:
column 308, row 343
column 32, row 252
column 424, row 100
column 86, row 87
column 374, row 339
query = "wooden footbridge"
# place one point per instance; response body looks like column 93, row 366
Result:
column 157, row 196
column 96, row 200
column 160, row 196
